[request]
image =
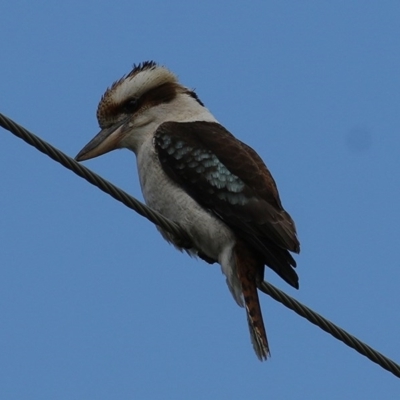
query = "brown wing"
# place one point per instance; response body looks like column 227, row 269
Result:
column 228, row 178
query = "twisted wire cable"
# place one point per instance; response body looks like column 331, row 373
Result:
column 173, row 228
column 330, row 328
column 96, row 180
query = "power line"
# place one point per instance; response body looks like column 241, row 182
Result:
column 93, row 178
column 330, row 328
column 173, row 228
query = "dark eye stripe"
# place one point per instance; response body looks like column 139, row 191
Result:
column 129, row 106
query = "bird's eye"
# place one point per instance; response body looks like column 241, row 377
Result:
column 130, row 105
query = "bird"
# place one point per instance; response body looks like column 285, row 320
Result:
column 194, row 172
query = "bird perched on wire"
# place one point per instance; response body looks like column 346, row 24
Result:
column 197, row 174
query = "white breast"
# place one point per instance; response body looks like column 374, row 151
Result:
column 209, row 234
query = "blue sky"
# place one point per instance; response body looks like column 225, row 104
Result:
column 95, row 305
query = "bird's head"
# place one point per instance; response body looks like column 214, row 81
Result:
column 135, row 105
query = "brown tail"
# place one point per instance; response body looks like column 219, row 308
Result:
column 251, row 270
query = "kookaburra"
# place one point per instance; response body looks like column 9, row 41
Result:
column 197, row 174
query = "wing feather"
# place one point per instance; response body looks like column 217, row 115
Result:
column 229, row 178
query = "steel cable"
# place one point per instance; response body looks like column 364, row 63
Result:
column 94, row 179
column 173, row 228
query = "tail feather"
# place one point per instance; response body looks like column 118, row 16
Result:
column 258, row 339
column 250, row 270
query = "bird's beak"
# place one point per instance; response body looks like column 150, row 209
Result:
column 106, row 140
